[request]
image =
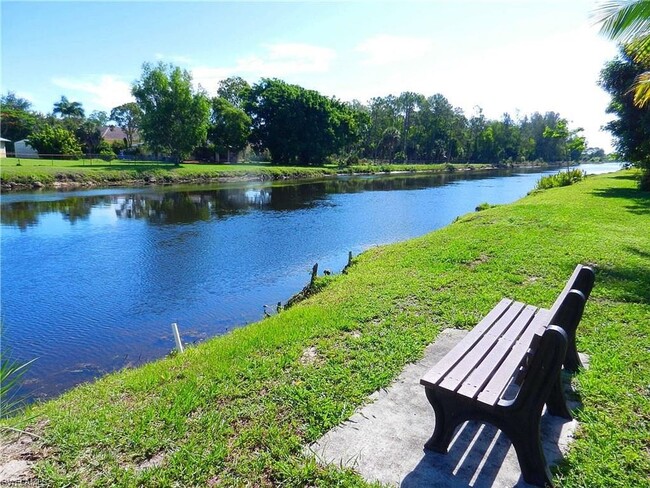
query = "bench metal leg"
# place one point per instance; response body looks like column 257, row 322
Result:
column 448, row 418
column 523, row 432
column 520, row 425
column 556, row 402
column 572, row 362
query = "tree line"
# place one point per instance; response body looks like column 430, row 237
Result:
column 289, row 124
column 67, row 130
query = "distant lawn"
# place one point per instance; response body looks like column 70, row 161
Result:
column 10, row 166
column 97, row 171
column 238, row 410
column 47, row 172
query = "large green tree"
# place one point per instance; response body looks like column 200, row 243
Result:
column 174, row 114
column 17, row 121
column 384, row 117
column 631, row 128
column 235, row 90
column 229, row 127
column 128, row 117
column 14, row 102
column 89, row 131
column 299, row 126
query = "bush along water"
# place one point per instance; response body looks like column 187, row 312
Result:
column 11, row 373
column 563, row 178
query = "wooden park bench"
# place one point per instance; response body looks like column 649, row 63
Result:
column 506, row 368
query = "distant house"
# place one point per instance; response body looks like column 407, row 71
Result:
column 24, row 150
column 3, row 147
column 112, row 133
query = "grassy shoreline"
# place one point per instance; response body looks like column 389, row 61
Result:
column 239, row 409
column 52, row 174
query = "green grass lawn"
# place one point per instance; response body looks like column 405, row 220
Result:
column 132, row 172
column 239, row 409
column 98, row 172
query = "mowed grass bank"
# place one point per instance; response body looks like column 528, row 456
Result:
column 49, row 173
column 239, row 409
column 96, row 172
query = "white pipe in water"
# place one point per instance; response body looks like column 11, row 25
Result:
column 177, row 337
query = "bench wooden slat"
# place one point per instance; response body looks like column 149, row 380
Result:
column 456, row 376
column 494, row 389
column 434, row 375
column 490, row 365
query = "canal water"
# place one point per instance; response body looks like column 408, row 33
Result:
column 92, row 280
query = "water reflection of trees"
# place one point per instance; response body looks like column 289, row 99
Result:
column 193, row 206
column 188, row 207
column 25, row 214
column 21, row 215
column 180, row 207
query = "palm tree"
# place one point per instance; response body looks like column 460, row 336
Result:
column 628, row 22
column 67, row 108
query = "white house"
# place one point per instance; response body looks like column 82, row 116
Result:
column 24, row 150
column 3, row 147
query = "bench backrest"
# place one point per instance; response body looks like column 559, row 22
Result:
column 542, row 363
column 582, row 279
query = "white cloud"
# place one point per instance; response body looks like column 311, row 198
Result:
column 557, row 73
column 107, row 91
column 283, row 59
column 209, row 78
column 386, row 49
column 278, row 60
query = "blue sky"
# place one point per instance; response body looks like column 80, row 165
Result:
column 502, row 55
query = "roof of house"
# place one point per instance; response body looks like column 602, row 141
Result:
column 112, row 133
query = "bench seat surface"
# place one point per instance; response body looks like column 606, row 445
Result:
column 482, row 365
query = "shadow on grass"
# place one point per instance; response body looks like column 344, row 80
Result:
column 639, row 201
column 630, row 177
column 632, row 284
column 639, row 252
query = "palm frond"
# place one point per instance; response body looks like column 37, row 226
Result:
column 641, row 89
column 639, row 50
column 624, row 20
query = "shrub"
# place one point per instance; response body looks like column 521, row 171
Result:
column 563, row 178
column 107, row 155
column 55, row 140
column 400, row 157
column 352, row 160
column 118, row 146
column 106, row 151
column 11, row 373
column 484, row 206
